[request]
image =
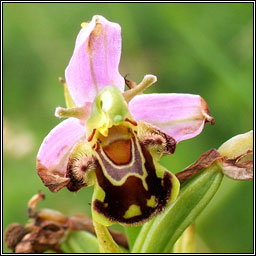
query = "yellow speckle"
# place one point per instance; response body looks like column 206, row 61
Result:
column 99, row 194
column 83, row 24
column 134, row 210
column 151, row 202
column 105, row 205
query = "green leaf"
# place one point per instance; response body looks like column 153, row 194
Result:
column 142, row 237
column 80, row 242
column 160, row 234
column 132, row 233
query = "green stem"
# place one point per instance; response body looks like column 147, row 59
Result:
column 106, row 242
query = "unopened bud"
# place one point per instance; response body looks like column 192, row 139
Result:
column 237, row 145
column 237, row 157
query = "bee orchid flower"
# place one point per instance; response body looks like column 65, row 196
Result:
column 112, row 138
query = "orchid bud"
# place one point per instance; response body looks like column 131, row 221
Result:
column 237, row 157
column 237, row 145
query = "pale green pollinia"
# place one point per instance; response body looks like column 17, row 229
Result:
column 160, row 234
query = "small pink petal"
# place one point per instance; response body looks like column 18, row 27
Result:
column 95, row 60
column 55, row 149
column 181, row 116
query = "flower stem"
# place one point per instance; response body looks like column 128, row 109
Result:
column 106, row 242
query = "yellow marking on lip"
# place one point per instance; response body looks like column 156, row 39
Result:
column 151, row 202
column 134, row 210
column 100, row 193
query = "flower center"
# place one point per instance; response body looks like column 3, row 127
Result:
column 109, row 109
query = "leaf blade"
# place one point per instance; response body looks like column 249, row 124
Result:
column 167, row 227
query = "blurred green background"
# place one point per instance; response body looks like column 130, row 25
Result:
column 199, row 48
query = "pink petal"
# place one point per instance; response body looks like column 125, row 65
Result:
column 95, row 60
column 54, row 151
column 181, row 116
